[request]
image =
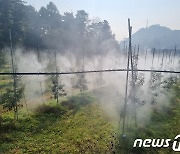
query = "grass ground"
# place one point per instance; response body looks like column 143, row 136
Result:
column 76, row 128
column 81, row 128
column 84, row 130
column 5, row 81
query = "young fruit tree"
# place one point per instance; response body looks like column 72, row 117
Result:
column 12, row 97
column 57, row 87
column 81, row 83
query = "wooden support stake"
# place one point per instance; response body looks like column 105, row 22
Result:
column 127, row 76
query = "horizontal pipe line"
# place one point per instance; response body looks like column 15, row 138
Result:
column 93, row 71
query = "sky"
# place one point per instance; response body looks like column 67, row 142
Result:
column 116, row 12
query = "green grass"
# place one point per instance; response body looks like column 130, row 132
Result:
column 164, row 124
column 4, row 85
column 5, row 81
column 84, row 131
column 78, row 125
column 6, row 68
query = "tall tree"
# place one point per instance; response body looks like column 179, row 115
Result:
column 12, row 16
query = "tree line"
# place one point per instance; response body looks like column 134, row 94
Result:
column 46, row 28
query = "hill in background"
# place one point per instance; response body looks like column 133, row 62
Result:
column 155, row 36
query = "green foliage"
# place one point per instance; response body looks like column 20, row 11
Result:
column 168, row 83
column 48, row 29
column 12, row 16
column 81, row 83
column 86, row 131
column 9, row 99
column 163, row 124
column 51, row 109
column 57, row 87
column 2, row 59
column 75, row 102
column 154, row 86
column 155, row 80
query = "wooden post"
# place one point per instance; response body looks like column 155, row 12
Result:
column 133, row 80
column 174, row 55
column 145, row 58
column 127, row 76
column 57, row 83
column 25, row 100
column 41, row 92
column 14, row 77
column 153, row 57
column 162, row 60
column 158, row 57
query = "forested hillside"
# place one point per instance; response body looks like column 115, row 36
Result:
column 156, row 36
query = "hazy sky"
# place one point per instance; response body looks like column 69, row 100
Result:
column 116, row 12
